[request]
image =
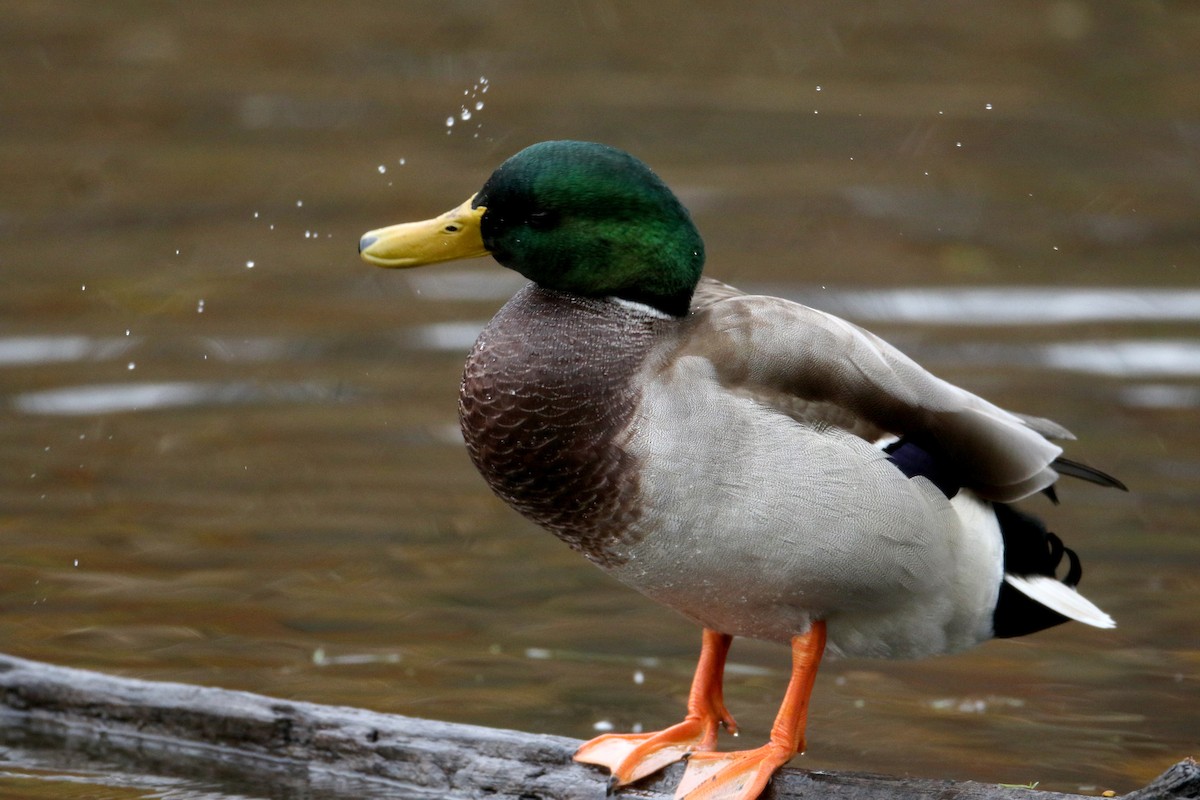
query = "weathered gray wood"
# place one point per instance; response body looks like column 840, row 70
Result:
column 414, row 757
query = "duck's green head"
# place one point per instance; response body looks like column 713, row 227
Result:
column 578, row 217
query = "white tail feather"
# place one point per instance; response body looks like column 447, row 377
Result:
column 1061, row 598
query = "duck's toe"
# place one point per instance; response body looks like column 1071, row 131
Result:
column 740, row 775
column 632, row 756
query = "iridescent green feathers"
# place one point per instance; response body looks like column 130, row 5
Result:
column 594, row 221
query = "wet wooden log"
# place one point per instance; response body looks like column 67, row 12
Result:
column 328, row 747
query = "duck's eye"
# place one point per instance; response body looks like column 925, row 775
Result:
column 542, row 220
column 451, row 228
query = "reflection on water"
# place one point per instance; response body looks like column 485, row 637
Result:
column 118, row 397
column 25, row 350
column 1117, row 358
column 996, row 306
column 1129, row 359
column 1159, row 395
column 455, row 337
column 458, row 284
column 978, row 305
column 275, row 498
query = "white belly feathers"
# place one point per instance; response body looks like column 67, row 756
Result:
column 754, row 525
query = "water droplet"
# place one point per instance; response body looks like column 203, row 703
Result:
column 200, row 306
column 256, row 215
column 639, row 677
column 382, row 169
column 818, row 88
column 77, row 562
column 449, row 122
column 466, row 115
column 131, row 365
column 988, row 106
column 249, row 265
column 479, row 105
column 127, row 331
column 401, row 162
column 958, row 144
column 299, row 204
column 83, row 288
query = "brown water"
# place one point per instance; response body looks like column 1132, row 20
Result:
column 228, row 447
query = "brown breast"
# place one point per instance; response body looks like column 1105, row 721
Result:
column 546, row 398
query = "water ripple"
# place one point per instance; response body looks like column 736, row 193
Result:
column 1115, row 358
column 25, row 350
column 118, row 397
column 1126, row 358
column 1004, row 306
column 979, row 305
column 1161, row 395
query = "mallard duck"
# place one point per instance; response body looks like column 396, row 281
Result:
column 764, row 468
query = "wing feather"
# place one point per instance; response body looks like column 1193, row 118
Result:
column 823, row 370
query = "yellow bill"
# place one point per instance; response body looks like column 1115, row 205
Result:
column 451, row 236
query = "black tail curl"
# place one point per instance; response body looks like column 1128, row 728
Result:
column 1029, row 549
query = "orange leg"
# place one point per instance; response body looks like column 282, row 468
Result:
column 631, row 756
column 743, row 775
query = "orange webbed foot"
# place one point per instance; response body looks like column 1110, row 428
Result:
column 744, row 774
column 632, row 756
column 740, row 775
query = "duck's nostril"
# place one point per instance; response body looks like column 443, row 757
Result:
column 366, row 242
